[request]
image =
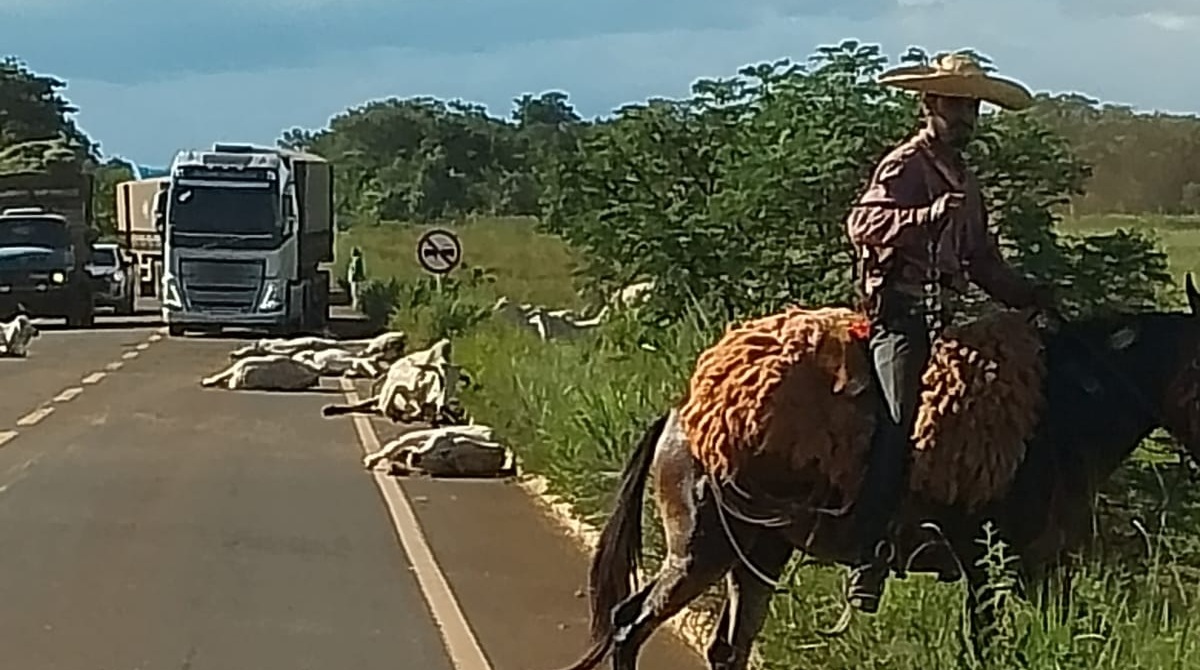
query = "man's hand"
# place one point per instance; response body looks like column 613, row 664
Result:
column 1045, row 302
column 941, row 209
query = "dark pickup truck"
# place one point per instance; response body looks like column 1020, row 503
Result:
column 45, row 245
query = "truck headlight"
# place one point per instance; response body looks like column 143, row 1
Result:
column 118, row 276
column 171, row 296
column 58, row 278
column 272, row 296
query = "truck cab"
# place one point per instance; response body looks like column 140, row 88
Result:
column 39, row 267
column 245, row 230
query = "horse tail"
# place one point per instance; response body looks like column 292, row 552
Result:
column 619, row 551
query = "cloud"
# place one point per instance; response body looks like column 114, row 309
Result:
column 250, row 80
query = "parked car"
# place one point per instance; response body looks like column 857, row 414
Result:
column 114, row 278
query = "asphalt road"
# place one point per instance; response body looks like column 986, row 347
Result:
column 149, row 523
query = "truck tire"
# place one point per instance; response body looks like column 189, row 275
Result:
column 176, row 330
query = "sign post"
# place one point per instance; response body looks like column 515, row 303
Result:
column 439, row 252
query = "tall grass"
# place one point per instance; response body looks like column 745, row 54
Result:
column 572, row 411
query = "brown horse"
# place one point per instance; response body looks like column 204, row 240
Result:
column 1109, row 383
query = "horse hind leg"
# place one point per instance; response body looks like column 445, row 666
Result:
column 698, row 550
column 746, row 604
column 679, row 581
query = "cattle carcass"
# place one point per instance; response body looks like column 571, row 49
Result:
column 419, row 387
column 16, row 336
column 343, row 363
column 271, row 372
column 563, row 324
column 390, row 343
column 446, row 451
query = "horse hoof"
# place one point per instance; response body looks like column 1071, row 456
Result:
column 842, row 625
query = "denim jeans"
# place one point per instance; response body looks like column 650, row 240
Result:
column 899, row 348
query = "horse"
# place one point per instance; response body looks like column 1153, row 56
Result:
column 1109, row 382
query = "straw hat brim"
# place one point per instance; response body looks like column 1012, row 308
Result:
column 999, row 91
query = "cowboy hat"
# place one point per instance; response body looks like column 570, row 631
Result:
column 959, row 75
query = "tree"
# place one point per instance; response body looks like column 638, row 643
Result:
column 32, row 108
column 107, row 176
column 736, row 196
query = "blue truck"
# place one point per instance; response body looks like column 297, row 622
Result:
column 46, row 232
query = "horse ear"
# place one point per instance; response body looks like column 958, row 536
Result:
column 1193, row 296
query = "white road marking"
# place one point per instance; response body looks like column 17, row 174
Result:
column 94, row 378
column 35, row 416
column 155, row 337
column 68, row 394
column 129, row 355
column 143, row 346
column 459, row 639
column 113, row 367
column 7, row 436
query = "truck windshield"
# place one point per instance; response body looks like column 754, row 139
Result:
column 220, row 210
column 46, row 233
column 104, row 257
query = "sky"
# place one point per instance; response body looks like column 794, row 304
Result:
column 153, row 76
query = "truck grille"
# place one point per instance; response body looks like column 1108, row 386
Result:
column 221, row 285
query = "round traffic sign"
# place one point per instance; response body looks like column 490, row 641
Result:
column 439, row 251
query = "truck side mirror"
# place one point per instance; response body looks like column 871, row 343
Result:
column 160, row 213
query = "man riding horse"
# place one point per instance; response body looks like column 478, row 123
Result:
column 921, row 226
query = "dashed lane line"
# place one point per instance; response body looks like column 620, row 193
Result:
column 457, row 636
column 35, row 417
column 93, row 378
column 68, row 394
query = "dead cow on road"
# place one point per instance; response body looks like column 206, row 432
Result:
column 389, row 343
column 448, row 451
column 419, row 387
column 344, row 363
column 273, row 372
column 16, row 335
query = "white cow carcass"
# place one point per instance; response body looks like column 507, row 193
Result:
column 563, row 324
column 283, row 346
column 271, row 372
column 343, row 363
column 16, row 336
column 446, row 451
column 419, row 387
column 391, row 343
column 632, row 296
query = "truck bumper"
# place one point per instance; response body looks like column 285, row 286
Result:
column 229, row 319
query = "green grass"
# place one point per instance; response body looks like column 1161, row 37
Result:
column 573, row 410
column 1179, row 235
column 533, row 267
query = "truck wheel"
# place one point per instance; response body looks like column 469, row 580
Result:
column 176, row 330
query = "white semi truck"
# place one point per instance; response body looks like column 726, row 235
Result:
column 247, row 240
column 137, row 233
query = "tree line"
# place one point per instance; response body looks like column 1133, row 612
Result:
column 733, row 194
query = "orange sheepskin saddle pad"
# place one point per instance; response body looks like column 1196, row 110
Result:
column 796, row 387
